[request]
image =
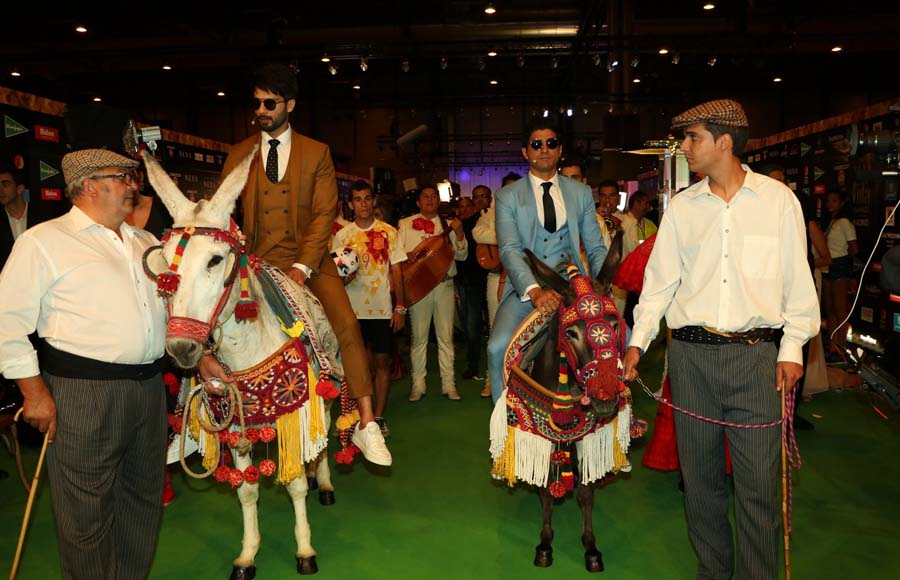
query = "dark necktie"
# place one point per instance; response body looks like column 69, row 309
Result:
column 272, row 161
column 549, row 209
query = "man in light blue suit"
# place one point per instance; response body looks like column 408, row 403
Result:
column 551, row 215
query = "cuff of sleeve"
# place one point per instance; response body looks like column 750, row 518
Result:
column 790, row 351
column 22, row 367
column 640, row 339
column 525, row 297
column 305, row 269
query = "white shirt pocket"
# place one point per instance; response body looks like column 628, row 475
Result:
column 760, row 257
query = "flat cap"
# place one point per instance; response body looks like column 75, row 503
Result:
column 78, row 164
column 720, row 112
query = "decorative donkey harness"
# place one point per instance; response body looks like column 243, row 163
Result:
column 534, row 428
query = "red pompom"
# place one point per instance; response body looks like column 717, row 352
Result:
column 560, row 457
column 327, row 390
column 175, row 422
column 223, row 436
column 267, row 467
column 251, row 474
column 557, row 489
column 221, row 473
column 561, row 417
column 167, row 282
column 267, row 434
column 235, row 477
column 172, row 383
column 233, row 438
column 246, row 310
column 253, row 436
column 345, row 456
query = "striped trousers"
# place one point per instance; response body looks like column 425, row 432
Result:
column 734, row 383
column 106, row 475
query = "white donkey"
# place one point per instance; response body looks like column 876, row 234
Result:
column 204, row 270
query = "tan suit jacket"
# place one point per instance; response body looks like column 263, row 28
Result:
column 313, row 192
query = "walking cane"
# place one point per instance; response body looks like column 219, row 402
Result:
column 784, row 493
column 31, row 494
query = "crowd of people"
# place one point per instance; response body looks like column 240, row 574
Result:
column 734, row 285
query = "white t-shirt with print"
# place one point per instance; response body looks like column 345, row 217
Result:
column 378, row 247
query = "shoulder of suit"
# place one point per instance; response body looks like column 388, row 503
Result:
column 306, row 142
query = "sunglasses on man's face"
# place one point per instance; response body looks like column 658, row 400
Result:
column 552, row 143
column 269, row 104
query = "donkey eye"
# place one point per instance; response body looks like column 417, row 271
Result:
column 572, row 334
column 214, row 261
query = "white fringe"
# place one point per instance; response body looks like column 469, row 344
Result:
column 311, row 448
column 498, row 427
column 623, row 431
column 596, row 452
column 532, row 458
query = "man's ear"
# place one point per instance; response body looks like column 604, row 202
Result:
column 524, row 154
column 290, row 105
column 725, row 143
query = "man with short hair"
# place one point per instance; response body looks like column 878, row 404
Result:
column 574, row 169
column 439, row 304
column 16, row 219
column 635, row 225
column 78, row 280
column 728, row 270
column 608, row 192
column 380, row 255
column 290, row 205
column 552, row 216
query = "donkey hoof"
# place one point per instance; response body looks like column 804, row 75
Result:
column 242, row 573
column 593, row 561
column 543, row 556
column 326, row 497
column 312, row 483
column 307, row 566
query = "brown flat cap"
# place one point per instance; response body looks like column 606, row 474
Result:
column 720, row 112
column 78, row 164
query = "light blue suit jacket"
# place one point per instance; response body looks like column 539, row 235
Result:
column 518, row 228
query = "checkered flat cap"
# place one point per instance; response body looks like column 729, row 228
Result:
column 78, row 164
column 720, row 112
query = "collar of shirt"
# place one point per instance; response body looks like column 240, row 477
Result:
column 537, row 181
column 284, row 139
column 751, row 184
column 81, row 221
column 284, row 149
column 555, row 193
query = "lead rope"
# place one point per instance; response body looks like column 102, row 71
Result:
column 207, row 422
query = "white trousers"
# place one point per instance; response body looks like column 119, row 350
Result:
column 439, row 305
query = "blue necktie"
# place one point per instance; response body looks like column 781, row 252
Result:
column 549, row 208
column 272, row 161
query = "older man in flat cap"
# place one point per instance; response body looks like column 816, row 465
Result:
column 98, row 393
column 729, row 272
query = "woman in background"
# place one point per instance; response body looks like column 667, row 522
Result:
column 841, row 237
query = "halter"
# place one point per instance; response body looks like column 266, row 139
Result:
column 167, row 283
column 605, row 341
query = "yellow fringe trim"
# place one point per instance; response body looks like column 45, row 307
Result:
column 194, row 416
column 620, row 460
column 316, row 421
column 211, row 456
column 290, row 459
column 293, row 331
column 505, row 464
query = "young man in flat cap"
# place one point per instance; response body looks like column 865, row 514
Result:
column 78, row 280
column 729, row 271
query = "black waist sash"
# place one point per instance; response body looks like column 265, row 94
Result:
column 71, row 366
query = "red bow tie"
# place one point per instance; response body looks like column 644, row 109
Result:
column 423, row 225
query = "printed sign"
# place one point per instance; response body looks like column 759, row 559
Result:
column 47, row 171
column 867, row 314
column 42, row 133
column 51, row 193
column 11, row 127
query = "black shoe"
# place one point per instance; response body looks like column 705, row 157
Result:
column 803, row 424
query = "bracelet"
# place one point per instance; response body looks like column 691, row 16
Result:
column 401, row 310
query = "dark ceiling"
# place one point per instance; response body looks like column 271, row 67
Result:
column 548, row 53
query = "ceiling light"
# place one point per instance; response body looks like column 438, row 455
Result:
column 569, row 112
column 332, row 68
column 520, row 61
column 356, row 87
column 613, row 63
column 80, row 29
column 837, row 48
column 97, row 99
column 595, row 58
column 364, row 64
column 167, row 67
column 776, row 80
column 585, row 110
column 709, row 6
column 676, row 58
column 220, row 94
column 492, row 53
column 712, row 61
column 493, row 82
column 15, row 73
column 664, row 50
column 443, row 63
column 546, row 113
column 325, row 58
column 554, row 62
column 489, row 9
column 635, row 61
column 404, row 66
column 636, row 80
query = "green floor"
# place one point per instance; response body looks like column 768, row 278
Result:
column 438, row 514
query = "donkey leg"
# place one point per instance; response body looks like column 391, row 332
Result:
column 244, row 565
column 543, row 556
column 593, row 559
column 323, row 476
column 306, row 556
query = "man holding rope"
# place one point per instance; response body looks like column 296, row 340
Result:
column 729, row 272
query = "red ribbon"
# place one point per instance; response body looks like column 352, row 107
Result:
column 423, row 225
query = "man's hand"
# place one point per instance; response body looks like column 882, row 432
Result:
column 39, row 408
column 297, row 275
column 546, row 301
column 398, row 321
column 632, row 356
column 787, row 374
column 456, row 226
column 210, row 368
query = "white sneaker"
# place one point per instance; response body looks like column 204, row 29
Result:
column 451, row 394
column 371, row 442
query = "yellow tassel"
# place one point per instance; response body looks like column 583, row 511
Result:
column 211, row 456
column 293, row 331
column 505, row 465
column 316, row 422
column 620, row 460
column 290, row 462
column 194, row 416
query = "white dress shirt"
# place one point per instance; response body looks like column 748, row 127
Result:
column 411, row 237
column 485, row 230
column 284, row 150
column 555, row 194
column 18, row 225
column 84, row 290
column 731, row 266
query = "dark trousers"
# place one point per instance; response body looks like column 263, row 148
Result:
column 472, row 305
column 734, row 383
column 106, row 475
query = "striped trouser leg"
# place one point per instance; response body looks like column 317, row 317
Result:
column 697, row 385
column 755, row 457
column 106, row 471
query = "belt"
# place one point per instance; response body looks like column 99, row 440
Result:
column 707, row 335
column 71, row 366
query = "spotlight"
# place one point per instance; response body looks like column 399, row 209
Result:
column 97, row 99
column 595, row 58
column 364, row 64
column 546, row 113
column 493, row 82
column 80, row 29
column 325, row 58
column 220, row 94
column 613, row 63
column 356, row 87
column 520, row 61
column 712, row 61
column 15, row 73
column 167, row 67
column 569, row 112
column 585, row 110
column 663, row 50
column 837, row 48
column 492, row 53
column 489, row 9
column 404, row 66
column 709, row 6
column 777, row 80
column 332, row 68
column 554, row 62
column 443, row 63
column 636, row 80
column 676, row 58
column 635, row 62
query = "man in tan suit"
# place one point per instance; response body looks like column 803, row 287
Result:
column 290, row 204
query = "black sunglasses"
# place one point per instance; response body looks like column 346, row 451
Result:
column 269, row 104
column 552, row 143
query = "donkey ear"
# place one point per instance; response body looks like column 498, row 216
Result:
column 222, row 203
column 611, row 264
column 546, row 276
column 178, row 205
